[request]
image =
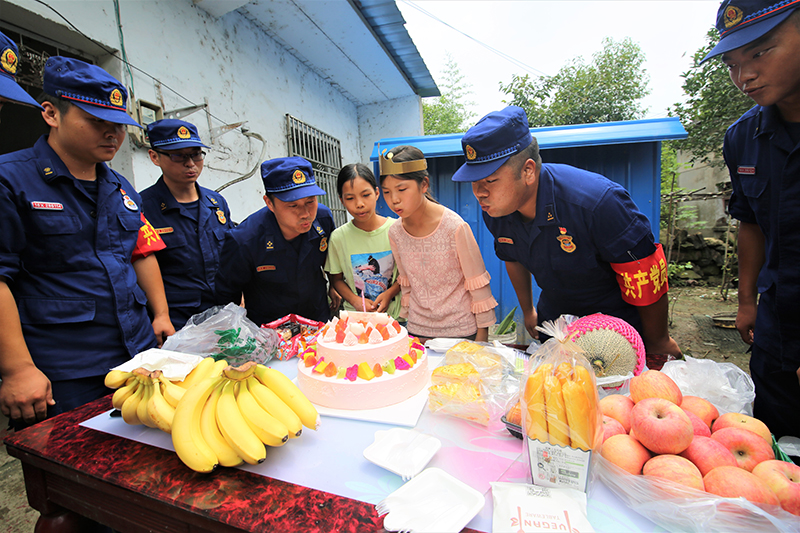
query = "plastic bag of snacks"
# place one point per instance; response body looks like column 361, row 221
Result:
column 475, row 383
column 560, row 416
column 295, row 332
column 225, row 332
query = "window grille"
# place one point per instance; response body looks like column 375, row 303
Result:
column 325, row 155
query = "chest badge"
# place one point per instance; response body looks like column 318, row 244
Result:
column 129, row 204
column 505, row 240
column 221, row 216
column 323, row 244
column 566, row 241
column 746, row 171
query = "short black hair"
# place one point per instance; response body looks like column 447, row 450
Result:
column 529, row 152
column 62, row 105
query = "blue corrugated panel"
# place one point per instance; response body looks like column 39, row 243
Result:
column 628, row 153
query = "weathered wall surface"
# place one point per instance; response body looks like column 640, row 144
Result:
column 230, row 62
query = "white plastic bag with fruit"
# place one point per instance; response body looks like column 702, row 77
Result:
column 673, row 458
column 560, row 415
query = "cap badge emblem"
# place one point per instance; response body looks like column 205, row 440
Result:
column 471, row 154
column 9, row 61
column 298, row 177
column 733, row 16
column 183, row 132
column 116, row 98
column 566, row 241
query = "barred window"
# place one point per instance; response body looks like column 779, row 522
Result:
column 324, row 152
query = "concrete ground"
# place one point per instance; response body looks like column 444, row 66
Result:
column 15, row 514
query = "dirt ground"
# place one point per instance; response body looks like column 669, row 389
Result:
column 692, row 312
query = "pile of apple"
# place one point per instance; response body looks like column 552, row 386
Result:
column 659, row 432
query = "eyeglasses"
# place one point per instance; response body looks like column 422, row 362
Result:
column 183, row 158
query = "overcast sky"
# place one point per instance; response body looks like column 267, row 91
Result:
column 544, row 35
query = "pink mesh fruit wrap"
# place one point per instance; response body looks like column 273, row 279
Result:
column 601, row 321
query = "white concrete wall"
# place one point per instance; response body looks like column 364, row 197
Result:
column 698, row 176
column 242, row 73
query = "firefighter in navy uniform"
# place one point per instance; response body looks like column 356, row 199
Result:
column 191, row 219
column 580, row 234
column 275, row 256
column 77, row 268
column 759, row 44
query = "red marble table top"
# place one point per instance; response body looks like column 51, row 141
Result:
column 228, row 495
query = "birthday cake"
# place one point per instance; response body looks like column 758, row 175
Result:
column 362, row 361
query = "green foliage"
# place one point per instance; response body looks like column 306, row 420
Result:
column 674, row 270
column 608, row 89
column 684, row 216
column 713, row 103
column 448, row 113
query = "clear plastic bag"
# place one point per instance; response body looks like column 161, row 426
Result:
column 679, row 508
column 225, row 333
column 725, row 385
column 484, row 394
column 561, row 420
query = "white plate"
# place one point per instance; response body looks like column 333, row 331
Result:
column 402, row 451
column 434, row 501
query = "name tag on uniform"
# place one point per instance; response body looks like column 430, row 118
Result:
column 747, row 171
column 263, row 268
column 505, row 240
column 161, row 231
column 47, row 206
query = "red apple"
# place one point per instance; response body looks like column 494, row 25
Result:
column 733, row 482
column 661, row 426
column 676, row 469
column 625, row 452
column 748, row 448
column 784, row 480
column 701, row 407
column 619, row 408
column 698, row 426
column 611, row 427
column 707, row 454
column 743, row 421
column 655, row 384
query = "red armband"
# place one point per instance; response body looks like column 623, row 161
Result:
column 643, row 282
column 147, row 242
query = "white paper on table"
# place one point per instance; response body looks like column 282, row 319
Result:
column 173, row 365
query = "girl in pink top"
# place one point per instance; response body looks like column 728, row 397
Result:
column 444, row 283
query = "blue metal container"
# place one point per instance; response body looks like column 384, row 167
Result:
column 627, row 152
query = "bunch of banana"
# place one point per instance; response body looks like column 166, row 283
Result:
column 149, row 398
column 561, row 406
column 230, row 418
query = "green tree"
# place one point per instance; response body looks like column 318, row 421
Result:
column 448, row 113
column 713, row 103
column 608, row 89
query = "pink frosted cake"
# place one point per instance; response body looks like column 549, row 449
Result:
column 362, row 361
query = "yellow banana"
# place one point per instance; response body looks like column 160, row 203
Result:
column 171, row 392
column 141, row 409
column 267, row 428
column 578, row 408
column 159, row 410
column 226, row 455
column 536, row 420
column 241, row 372
column 116, row 378
column 187, row 437
column 557, row 425
column 200, row 372
column 236, row 430
column 270, row 402
column 290, row 394
column 218, row 367
column 123, row 393
column 130, row 406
